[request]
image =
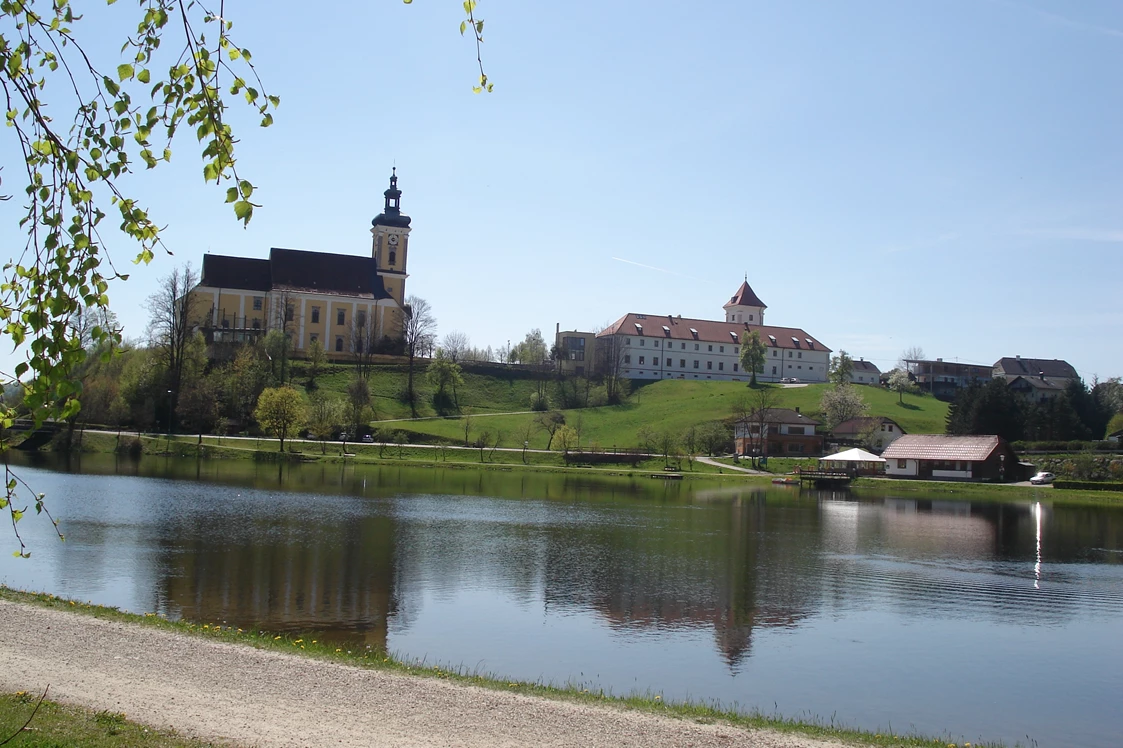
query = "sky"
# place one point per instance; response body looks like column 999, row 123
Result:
column 947, row 175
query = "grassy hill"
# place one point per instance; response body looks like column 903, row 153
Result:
column 494, row 396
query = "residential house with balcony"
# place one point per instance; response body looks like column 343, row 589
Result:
column 778, row 432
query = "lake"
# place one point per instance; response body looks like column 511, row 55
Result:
column 966, row 620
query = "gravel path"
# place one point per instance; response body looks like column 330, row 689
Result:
column 219, row 691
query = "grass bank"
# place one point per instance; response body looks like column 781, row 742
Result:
column 55, row 725
column 308, row 646
column 435, row 456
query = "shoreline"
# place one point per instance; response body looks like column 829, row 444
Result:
column 116, row 639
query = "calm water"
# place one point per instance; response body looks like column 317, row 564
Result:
column 974, row 621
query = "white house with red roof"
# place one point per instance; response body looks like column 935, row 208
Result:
column 656, row 346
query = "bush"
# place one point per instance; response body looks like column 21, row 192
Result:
column 132, row 447
column 539, row 402
column 1082, row 485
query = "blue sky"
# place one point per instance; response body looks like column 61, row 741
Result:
column 940, row 174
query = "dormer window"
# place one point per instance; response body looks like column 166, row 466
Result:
column 666, row 331
column 639, row 328
column 694, row 333
column 772, row 339
column 795, row 340
column 810, row 343
column 734, row 336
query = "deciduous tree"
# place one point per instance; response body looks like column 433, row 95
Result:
column 279, row 411
column 900, row 382
column 841, row 368
column 841, row 403
column 752, row 354
column 418, row 330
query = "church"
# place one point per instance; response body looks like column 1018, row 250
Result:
column 657, row 346
column 350, row 304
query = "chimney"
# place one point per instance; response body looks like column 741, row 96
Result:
column 797, row 410
column 1017, row 356
column 1041, row 374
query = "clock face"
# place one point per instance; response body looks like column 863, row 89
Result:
column 393, row 239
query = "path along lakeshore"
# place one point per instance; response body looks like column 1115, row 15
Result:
column 228, row 692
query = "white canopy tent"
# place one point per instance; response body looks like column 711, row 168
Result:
column 852, row 455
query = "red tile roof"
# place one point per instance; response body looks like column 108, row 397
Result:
column 746, row 297
column 940, row 447
column 710, row 331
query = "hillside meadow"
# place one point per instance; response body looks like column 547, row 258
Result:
column 498, row 400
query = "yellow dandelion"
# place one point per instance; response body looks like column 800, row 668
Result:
column 339, row 650
column 298, row 641
column 275, row 638
column 658, row 698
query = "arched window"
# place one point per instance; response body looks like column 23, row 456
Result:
column 393, row 257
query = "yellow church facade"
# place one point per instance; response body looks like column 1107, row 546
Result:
column 349, row 304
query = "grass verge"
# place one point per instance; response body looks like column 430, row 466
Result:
column 55, row 725
column 650, row 702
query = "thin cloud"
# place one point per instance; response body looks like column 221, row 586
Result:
column 652, row 267
column 1080, row 234
column 1063, row 21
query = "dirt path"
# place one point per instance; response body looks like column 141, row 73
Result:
column 219, row 691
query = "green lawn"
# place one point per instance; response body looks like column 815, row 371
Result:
column 676, row 405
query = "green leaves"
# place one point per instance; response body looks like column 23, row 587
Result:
column 244, row 211
column 124, row 71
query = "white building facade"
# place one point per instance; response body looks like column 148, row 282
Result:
column 667, row 347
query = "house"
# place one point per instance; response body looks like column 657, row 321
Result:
column 944, row 378
column 1037, row 389
column 939, row 457
column 1115, row 436
column 575, row 351
column 1053, row 369
column 875, row 432
column 651, row 346
column 864, row 372
column 349, row 303
column 785, row 432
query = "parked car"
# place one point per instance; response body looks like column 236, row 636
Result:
column 1042, row 479
column 368, row 439
column 790, row 380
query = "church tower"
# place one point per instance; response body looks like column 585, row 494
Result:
column 390, row 249
column 745, row 307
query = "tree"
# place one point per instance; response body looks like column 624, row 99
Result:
column 752, row 415
column 455, row 346
column 714, row 438
column 912, row 353
column 200, row 407
column 900, row 382
column 324, row 417
column 358, row 398
column 418, row 328
column 444, row 373
column 841, row 368
column 245, row 378
column 551, row 421
column 608, row 364
column 841, row 403
column 1115, row 424
column 363, row 339
column 532, row 350
column 317, row 360
column 277, row 346
column 170, row 326
column 752, row 354
column 566, row 437
column 279, row 410
column 691, row 444
column 80, row 171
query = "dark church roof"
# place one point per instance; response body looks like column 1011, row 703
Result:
column 296, row 270
column 745, row 296
column 247, row 273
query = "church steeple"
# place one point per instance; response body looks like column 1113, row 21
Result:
column 745, row 306
column 391, row 214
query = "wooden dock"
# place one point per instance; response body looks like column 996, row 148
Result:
column 832, row 478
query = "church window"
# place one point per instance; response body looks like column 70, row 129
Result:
column 341, row 318
column 290, row 312
column 393, row 257
column 313, row 338
column 361, row 318
column 257, row 302
column 315, row 315
column 339, row 343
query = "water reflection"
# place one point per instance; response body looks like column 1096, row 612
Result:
column 708, row 590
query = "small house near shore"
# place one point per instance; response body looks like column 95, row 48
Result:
column 939, row 457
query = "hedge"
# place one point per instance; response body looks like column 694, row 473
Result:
column 1087, row 485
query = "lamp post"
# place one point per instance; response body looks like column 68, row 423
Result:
column 170, row 420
